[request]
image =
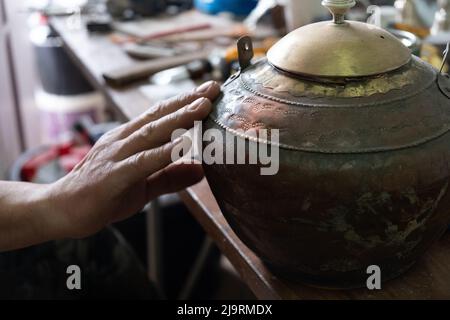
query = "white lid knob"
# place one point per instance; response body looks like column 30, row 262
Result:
column 338, row 8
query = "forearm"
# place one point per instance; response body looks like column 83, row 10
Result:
column 125, row 169
column 25, row 215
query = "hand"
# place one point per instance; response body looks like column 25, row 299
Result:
column 127, row 168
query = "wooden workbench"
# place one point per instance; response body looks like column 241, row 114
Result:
column 429, row 279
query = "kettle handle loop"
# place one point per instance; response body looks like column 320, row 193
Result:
column 444, row 59
column 443, row 79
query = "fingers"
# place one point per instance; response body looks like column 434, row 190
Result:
column 209, row 90
column 160, row 131
column 143, row 164
column 173, row 178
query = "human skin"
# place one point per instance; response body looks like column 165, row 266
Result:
column 127, row 168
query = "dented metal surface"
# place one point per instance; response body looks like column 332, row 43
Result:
column 405, row 116
column 270, row 78
column 363, row 178
column 364, row 154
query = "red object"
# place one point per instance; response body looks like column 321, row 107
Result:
column 30, row 168
column 43, row 20
column 69, row 161
column 68, row 155
column 65, row 148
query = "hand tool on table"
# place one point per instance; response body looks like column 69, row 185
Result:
column 141, row 70
column 148, row 51
column 159, row 35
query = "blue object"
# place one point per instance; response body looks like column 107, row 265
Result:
column 237, row 7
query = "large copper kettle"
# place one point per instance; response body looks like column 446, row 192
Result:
column 364, row 153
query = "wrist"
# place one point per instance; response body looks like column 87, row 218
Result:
column 62, row 206
column 53, row 223
column 41, row 212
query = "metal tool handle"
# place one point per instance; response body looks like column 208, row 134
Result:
column 339, row 8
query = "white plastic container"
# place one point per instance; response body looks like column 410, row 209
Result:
column 302, row 12
column 60, row 113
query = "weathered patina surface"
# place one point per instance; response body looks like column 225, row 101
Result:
column 364, row 171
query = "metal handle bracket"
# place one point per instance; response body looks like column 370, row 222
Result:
column 245, row 56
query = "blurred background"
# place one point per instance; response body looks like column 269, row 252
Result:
column 72, row 70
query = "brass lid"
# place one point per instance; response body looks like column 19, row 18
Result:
column 339, row 48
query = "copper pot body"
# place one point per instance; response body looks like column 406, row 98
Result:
column 363, row 177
